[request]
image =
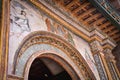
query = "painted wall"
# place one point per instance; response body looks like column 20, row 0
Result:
column 24, row 19
column 83, row 47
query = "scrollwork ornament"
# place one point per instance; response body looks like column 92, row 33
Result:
column 49, row 39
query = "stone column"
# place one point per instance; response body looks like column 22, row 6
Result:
column 110, row 61
column 96, row 44
column 101, row 46
column 99, row 59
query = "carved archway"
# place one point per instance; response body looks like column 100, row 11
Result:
column 53, row 56
column 46, row 41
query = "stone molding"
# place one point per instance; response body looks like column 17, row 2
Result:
column 62, row 19
column 101, row 45
column 52, row 39
column 100, row 41
column 87, row 35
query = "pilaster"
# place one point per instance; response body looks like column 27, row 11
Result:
column 96, row 44
column 108, row 46
column 99, row 59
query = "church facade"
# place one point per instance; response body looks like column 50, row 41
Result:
column 45, row 40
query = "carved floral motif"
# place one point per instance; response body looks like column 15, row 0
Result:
column 49, row 38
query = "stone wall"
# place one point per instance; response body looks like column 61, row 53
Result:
column 26, row 19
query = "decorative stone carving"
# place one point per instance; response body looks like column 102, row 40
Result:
column 96, row 46
column 110, row 59
column 51, row 39
column 107, row 50
column 108, row 54
column 100, row 67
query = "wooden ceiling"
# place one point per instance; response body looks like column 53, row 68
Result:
column 89, row 16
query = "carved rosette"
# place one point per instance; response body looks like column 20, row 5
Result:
column 49, row 38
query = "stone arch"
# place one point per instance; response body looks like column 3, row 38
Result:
column 54, row 56
column 42, row 38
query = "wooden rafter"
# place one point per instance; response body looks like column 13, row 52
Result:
column 108, row 29
column 105, row 25
column 116, row 36
column 81, row 7
column 70, row 4
column 117, row 40
column 88, row 12
column 88, row 15
column 99, row 20
column 94, row 16
column 114, row 32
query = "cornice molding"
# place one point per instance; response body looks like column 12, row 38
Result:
column 74, row 27
column 58, row 16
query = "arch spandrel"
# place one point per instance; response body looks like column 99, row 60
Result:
column 43, row 37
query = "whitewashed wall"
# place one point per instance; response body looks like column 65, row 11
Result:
column 26, row 19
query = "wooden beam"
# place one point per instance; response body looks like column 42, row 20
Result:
column 105, row 24
column 117, row 40
column 70, row 4
column 112, row 33
column 81, row 7
column 86, row 13
column 108, row 29
column 99, row 20
column 92, row 17
column 61, row 2
column 74, row 2
column 116, row 36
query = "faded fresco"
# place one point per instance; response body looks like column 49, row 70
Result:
column 60, row 30
column 25, row 19
column 83, row 47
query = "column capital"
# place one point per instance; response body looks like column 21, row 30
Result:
column 96, row 38
column 96, row 46
column 100, row 42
